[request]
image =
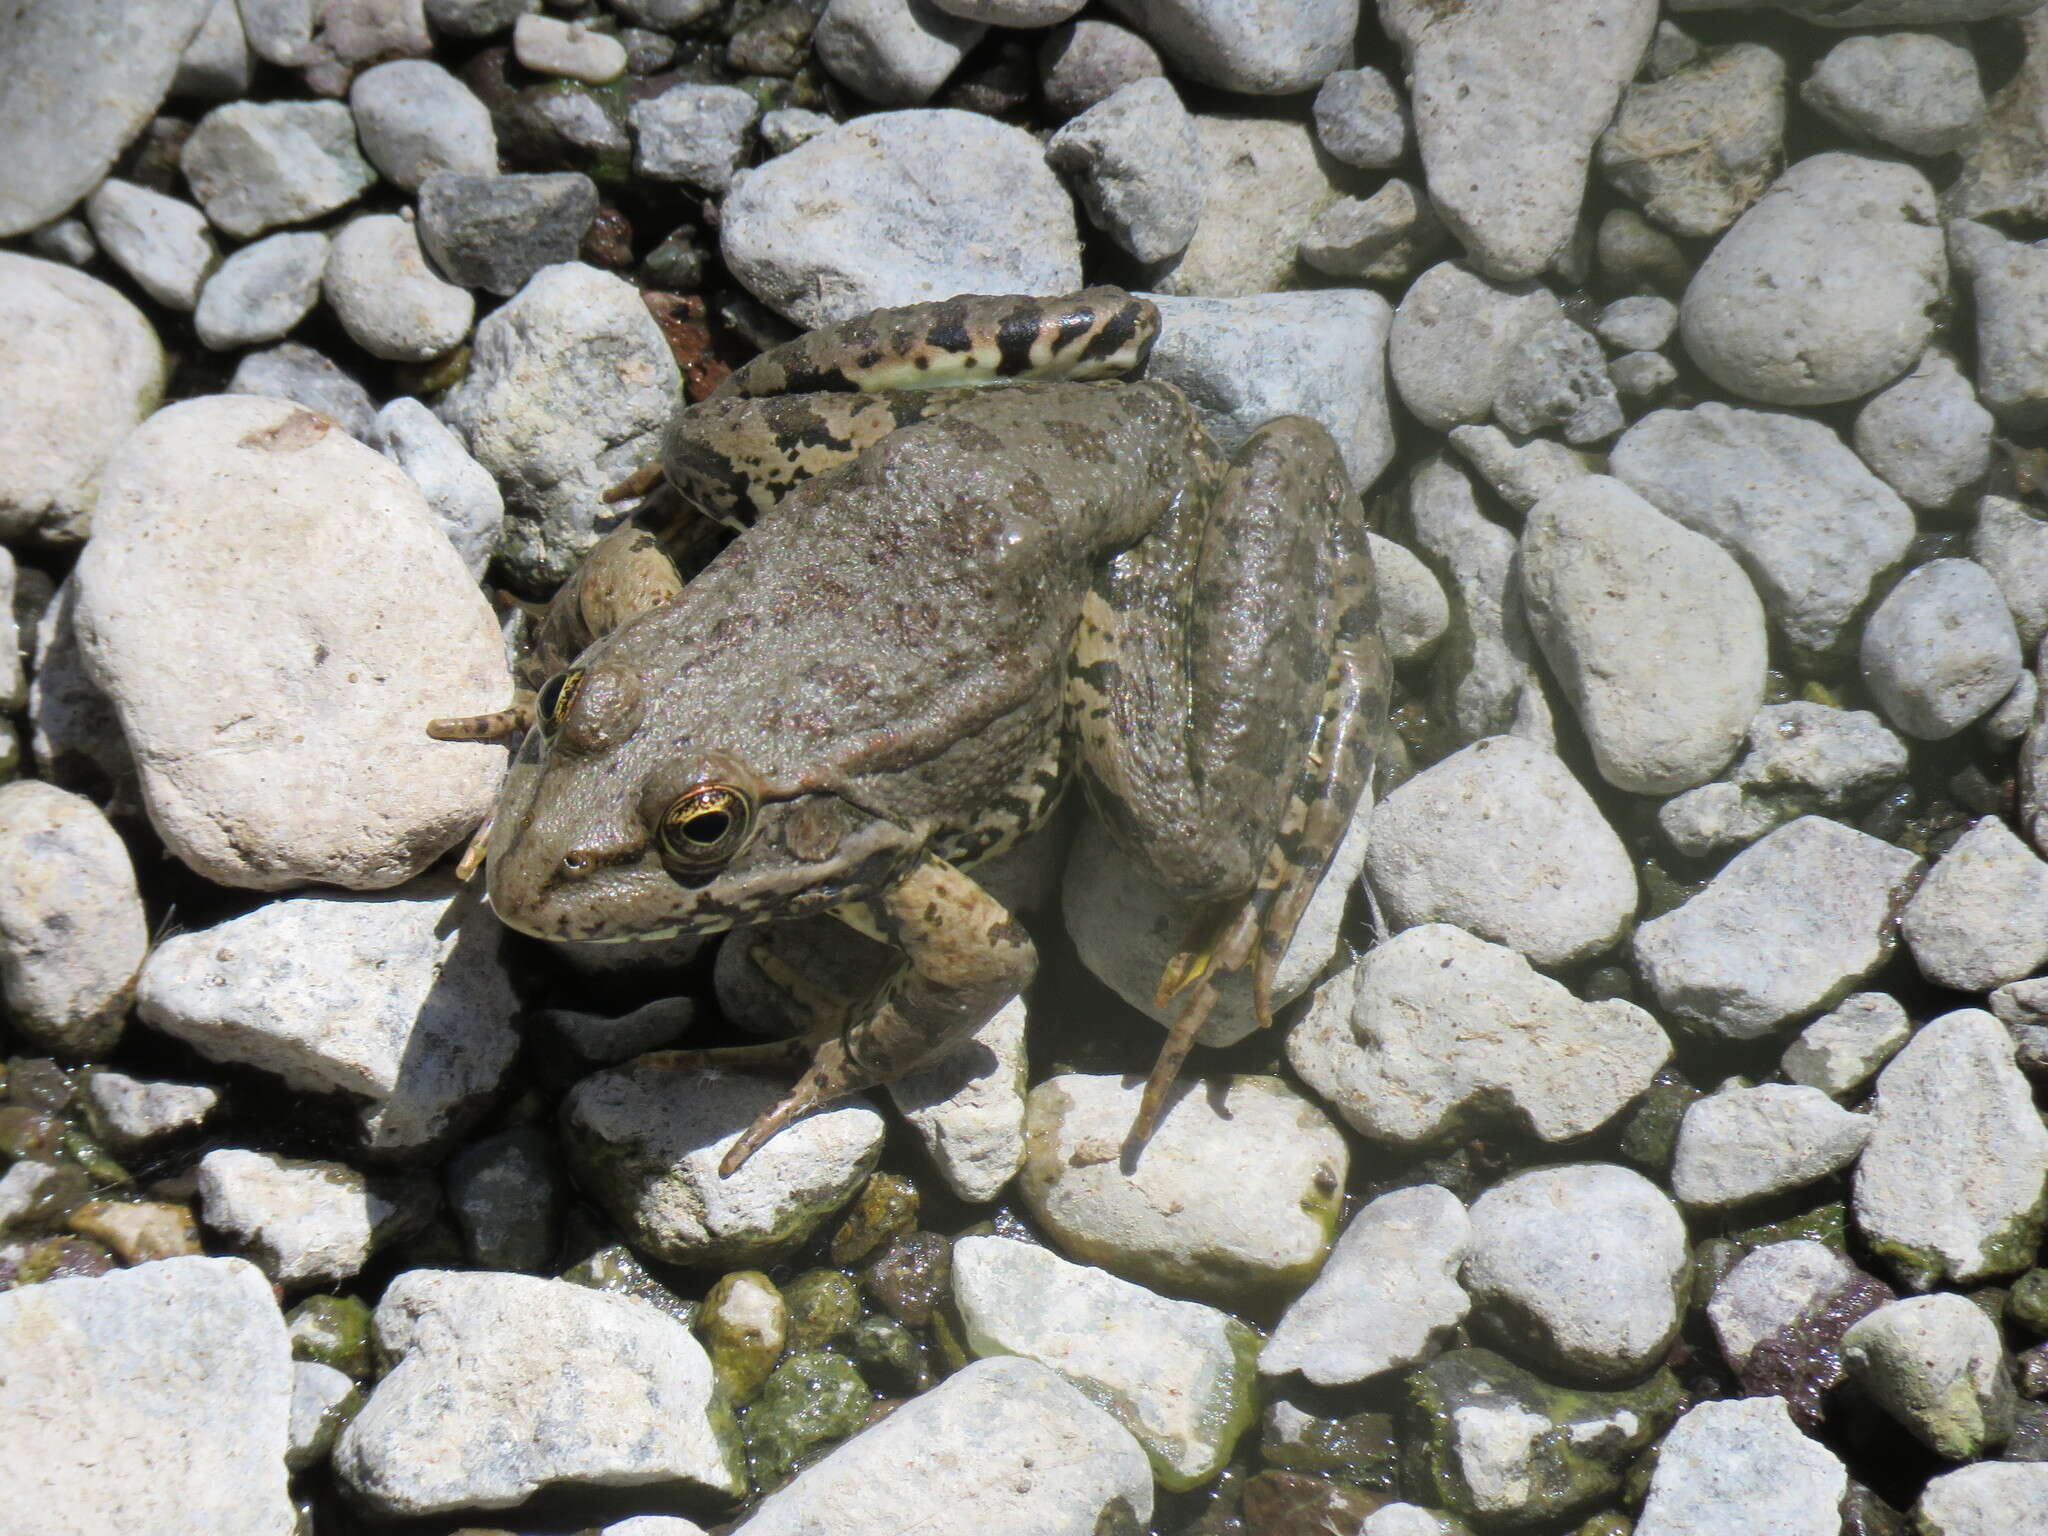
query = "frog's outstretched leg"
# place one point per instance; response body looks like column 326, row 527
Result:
column 499, row 725
column 968, row 957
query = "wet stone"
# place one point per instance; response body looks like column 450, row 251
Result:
column 323, row 1401
column 332, row 1331
column 1360, row 1448
column 822, row 1304
column 910, row 1277
column 889, row 1355
column 1779, row 1315
column 507, row 1195
column 744, row 1324
column 1937, row 1365
column 885, row 1209
column 808, row 1405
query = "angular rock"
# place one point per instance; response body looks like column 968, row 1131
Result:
column 495, row 232
column 306, row 1224
column 1385, row 238
column 1178, row 1375
column 1505, row 152
column 1941, row 650
column 489, row 1401
column 80, row 366
column 1743, row 1144
column 323, row 1400
column 1264, row 187
column 1388, row 1298
column 1138, row 165
column 72, row 928
column 2009, row 282
column 1788, row 927
column 2012, row 544
column 96, row 1371
column 1521, row 474
column 340, row 584
column 128, row 1113
column 461, row 495
column 1950, row 1183
column 256, row 165
column 399, row 1001
column 1582, row 1269
column 968, row 1108
column 1825, row 290
column 894, row 52
column 1841, row 1051
column 1555, row 376
column 1937, row 1365
column 1233, row 1201
column 1697, row 146
column 694, row 134
column 1741, row 1465
column 1811, row 526
column 262, row 291
column 1779, row 1315
column 1500, row 840
column 1992, row 1498
column 1653, row 631
column 1980, row 918
column 644, row 1142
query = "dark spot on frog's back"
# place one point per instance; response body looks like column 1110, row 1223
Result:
column 971, row 436
column 1085, row 445
column 950, row 336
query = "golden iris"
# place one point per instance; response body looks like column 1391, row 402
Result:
column 706, row 826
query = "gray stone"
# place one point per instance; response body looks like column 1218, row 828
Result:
column 1500, row 840
column 1812, row 527
column 645, row 1141
column 2001, row 175
column 1642, row 375
column 1435, row 1033
column 72, row 928
column 1087, row 61
column 323, row 1400
column 1772, row 1291
column 1414, row 613
column 898, row 208
column 1388, row 1298
column 1916, row 91
column 568, row 390
column 292, row 371
column 461, row 495
column 1652, row 630
column 1487, row 680
column 279, row 31
column 392, row 305
column 1555, row 375
column 2033, row 776
column 1012, row 13
column 1234, row 1200
column 383, row 999
column 256, row 165
column 1259, row 47
column 1825, row 290
column 416, row 120
column 968, row 1107
column 1879, row 13
column 353, row 33
column 1521, row 474
column 1384, row 238
column 1949, row 1186
column 495, row 232
column 1639, row 324
column 663, row 15
column 1941, row 650
column 1842, row 1050
column 162, row 243
column 1138, row 167
column 1504, row 152
column 1788, row 927
column 1265, row 187
column 894, row 52
column 128, row 1113
column 1926, row 435
column 262, row 291
column 306, row 1224
column 1634, row 256
column 1001, row 1445
column 1696, row 147
column 78, row 80
column 2012, row 544
column 1980, row 918
column 1451, row 340
column 486, row 18
column 1242, row 362
column 1181, row 1377
column 2014, row 715
column 694, row 134
column 507, row 1195
column 489, row 1399
column 1992, row 1498
column 2009, row 282
column 76, row 737
column 1582, row 1268
column 567, row 49
column 786, row 127
column 98, row 1370
column 267, row 498
column 1740, row 1464
column 1937, row 1365
column 1743, row 1144
column 1361, row 118
column 69, row 239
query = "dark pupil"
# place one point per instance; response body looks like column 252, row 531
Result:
column 550, row 696
column 707, row 827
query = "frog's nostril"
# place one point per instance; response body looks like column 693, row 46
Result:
column 579, row 861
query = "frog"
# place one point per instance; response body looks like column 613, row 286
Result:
column 980, row 559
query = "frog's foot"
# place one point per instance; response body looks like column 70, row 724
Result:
column 473, row 856
column 499, row 725
column 1194, row 976
column 641, row 482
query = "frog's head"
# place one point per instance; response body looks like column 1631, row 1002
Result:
column 619, row 821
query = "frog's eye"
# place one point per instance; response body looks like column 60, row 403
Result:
column 706, row 826
column 556, row 698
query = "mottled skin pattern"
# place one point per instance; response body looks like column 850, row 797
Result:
column 914, row 649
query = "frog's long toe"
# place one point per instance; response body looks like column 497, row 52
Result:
column 499, row 725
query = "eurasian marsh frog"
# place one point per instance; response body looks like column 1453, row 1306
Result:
column 949, row 604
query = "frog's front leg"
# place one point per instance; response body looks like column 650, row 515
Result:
column 967, row 957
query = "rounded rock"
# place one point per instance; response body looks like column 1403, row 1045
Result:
column 1361, row 118
column 292, row 371
column 1012, row 13
column 2011, row 543
column 1926, row 436
column 1582, row 1268
column 162, row 243
column 1991, row 1498
column 1264, row 188
column 1652, row 629
column 548, row 45
column 1980, row 918
column 262, row 291
column 899, row 208
column 695, row 134
column 1088, row 61
column 1234, row 1200
column 80, row 366
column 1450, row 341
column 1259, row 47
column 645, row 1143
column 1743, row 1144
column 1916, row 91
column 894, row 52
column 341, row 584
column 1742, row 1465
column 1937, row 1365
column 388, row 300
column 1941, row 650
column 415, row 120
column 1698, row 146
column 1826, row 289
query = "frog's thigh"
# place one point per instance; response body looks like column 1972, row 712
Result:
column 1202, row 670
